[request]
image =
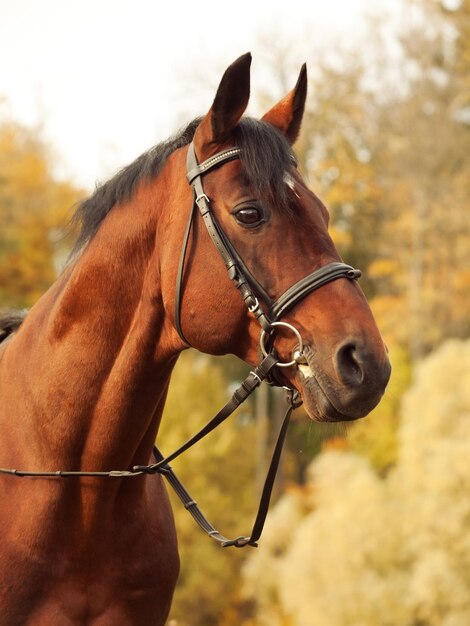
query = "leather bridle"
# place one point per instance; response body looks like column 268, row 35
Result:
column 254, row 295
column 251, row 291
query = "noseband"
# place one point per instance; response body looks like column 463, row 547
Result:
column 252, row 293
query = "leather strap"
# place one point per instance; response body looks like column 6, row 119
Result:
column 310, row 283
column 249, row 288
column 196, row 169
column 179, row 277
column 253, row 380
column 263, row 507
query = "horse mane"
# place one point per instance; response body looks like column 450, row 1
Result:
column 266, row 155
column 10, row 322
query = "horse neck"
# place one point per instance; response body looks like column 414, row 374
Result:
column 95, row 354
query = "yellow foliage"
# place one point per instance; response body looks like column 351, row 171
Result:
column 374, row 551
column 382, row 268
column 341, row 237
column 375, row 437
column 219, row 472
column 34, row 210
column 392, row 312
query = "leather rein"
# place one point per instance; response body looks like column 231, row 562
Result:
column 253, row 294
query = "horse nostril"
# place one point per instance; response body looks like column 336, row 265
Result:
column 348, row 364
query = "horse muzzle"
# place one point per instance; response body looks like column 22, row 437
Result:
column 344, row 387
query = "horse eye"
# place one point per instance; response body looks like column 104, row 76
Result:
column 249, row 216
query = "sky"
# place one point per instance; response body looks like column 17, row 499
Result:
column 107, row 79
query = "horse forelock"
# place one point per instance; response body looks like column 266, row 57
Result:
column 266, row 157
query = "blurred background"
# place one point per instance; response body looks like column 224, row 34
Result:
column 371, row 522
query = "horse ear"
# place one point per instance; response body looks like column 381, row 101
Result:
column 229, row 105
column 287, row 114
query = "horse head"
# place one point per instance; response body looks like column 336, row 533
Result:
column 276, row 229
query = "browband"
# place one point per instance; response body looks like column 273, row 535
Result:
column 195, row 169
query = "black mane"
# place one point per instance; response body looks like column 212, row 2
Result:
column 266, row 155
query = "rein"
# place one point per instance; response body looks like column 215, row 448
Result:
column 253, row 294
column 251, row 382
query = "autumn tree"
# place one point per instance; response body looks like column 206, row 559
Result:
column 34, row 211
column 375, row 551
column 385, row 144
column 423, row 156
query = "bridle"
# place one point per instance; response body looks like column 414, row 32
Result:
column 251, row 291
column 253, row 294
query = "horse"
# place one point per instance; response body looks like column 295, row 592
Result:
column 84, row 375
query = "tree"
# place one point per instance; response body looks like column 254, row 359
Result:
column 374, row 551
column 34, row 210
column 422, row 152
column 386, row 143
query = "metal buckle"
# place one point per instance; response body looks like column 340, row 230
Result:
column 253, row 307
column 255, row 375
column 200, row 197
column 299, row 348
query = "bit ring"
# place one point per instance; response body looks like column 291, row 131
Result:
column 275, row 325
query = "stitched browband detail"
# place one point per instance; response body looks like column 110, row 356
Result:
column 218, row 159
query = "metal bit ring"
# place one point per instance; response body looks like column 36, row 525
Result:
column 299, row 347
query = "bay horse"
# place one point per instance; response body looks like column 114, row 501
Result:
column 83, row 379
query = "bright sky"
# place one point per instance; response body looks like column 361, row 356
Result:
column 107, row 79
